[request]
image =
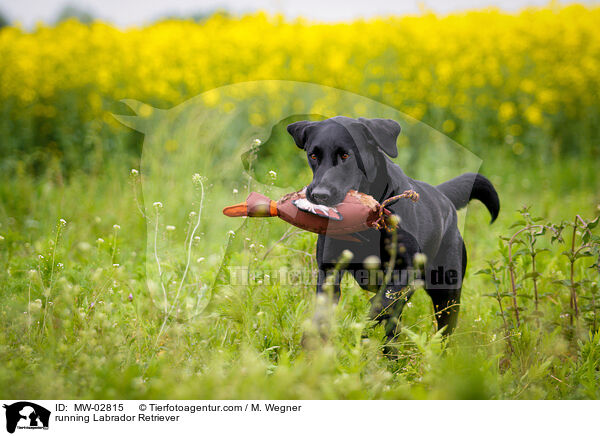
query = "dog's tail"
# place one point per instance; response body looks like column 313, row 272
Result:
column 462, row 189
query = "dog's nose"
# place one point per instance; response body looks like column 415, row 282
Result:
column 320, row 195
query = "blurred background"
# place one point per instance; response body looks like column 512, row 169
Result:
column 495, row 79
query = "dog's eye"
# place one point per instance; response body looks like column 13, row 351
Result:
column 345, row 156
column 313, row 156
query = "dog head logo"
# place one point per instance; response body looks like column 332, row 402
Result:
column 26, row 415
column 213, row 150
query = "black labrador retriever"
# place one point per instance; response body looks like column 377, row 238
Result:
column 345, row 154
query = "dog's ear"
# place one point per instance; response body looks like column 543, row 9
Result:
column 371, row 135
column 367, row 154
column 299, row 131
column 367, row 162
column 382, row 133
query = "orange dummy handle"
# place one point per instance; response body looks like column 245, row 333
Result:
column 256, row 205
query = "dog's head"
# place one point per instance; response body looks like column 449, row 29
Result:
column 344, row 153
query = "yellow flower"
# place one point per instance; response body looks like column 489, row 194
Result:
column 506, row 111
column 534, row 115
column 484, row 68
column 448, row 126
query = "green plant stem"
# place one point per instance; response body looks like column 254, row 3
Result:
column 499, row 299
column 535, row 288
column 511, row 266
column 573, row 302
column 51, row 282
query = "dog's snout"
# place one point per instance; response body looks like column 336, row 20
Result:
column 320, row 195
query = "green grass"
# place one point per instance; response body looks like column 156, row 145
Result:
column 74, row 325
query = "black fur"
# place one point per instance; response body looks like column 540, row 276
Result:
column 457, row 190
column 347, row 154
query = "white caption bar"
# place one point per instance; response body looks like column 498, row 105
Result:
column 21, row 417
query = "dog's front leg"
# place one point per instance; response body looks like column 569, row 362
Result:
column 387, row 306
column 395, row 287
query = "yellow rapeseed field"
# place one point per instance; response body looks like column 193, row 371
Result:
column 489, row 75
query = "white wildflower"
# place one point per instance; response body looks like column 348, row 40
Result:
column 196, row 179
column 420, row 259
column 346, row 256
column 372, row 262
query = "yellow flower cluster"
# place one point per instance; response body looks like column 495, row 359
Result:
column 498, row 74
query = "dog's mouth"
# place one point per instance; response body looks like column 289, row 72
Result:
column 333, row 198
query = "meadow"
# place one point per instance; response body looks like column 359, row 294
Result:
column 81, row 233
